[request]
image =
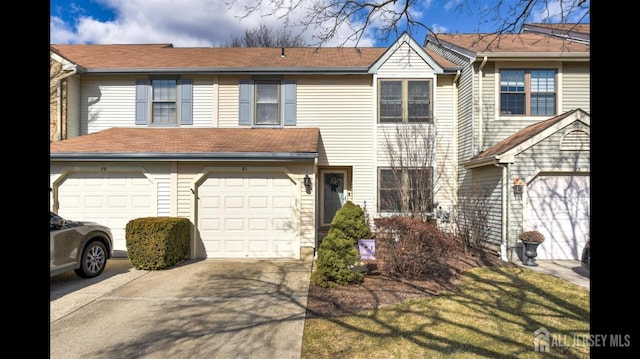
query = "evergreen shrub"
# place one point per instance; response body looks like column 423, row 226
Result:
column 338, row 252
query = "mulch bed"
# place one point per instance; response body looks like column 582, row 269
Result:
column 379, row 290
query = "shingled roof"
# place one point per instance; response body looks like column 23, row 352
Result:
column 532, row 43
column 208, row 142
column 165, row 56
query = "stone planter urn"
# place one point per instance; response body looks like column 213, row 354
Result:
column 531, row 241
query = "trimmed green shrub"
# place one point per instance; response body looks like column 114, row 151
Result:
column 338, row 253
column 157, row 242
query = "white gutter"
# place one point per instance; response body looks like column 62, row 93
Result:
column 59, row 93
column 482, row 65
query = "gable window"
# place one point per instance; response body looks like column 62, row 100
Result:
column 267, row 103
column 405, row 190
column 404, row 101
column 164, row 102
column 529, row 92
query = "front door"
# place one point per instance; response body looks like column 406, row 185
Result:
column 332, row 194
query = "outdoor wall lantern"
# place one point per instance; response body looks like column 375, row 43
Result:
column 307, row 183
column 518, row 185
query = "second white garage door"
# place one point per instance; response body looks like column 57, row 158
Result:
column 111, row 199
column 559, row 207
column 248, row 215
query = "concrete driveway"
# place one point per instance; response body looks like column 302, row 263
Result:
column 198, row 309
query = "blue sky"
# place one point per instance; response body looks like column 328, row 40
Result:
column 214, row 22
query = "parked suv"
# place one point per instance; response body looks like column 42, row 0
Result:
column 83, row 247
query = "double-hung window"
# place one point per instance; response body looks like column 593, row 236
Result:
column 267, row 103
column 405, row 101
column 528, row 92
column 164, row 102
column 163, row 98
column 405, row 190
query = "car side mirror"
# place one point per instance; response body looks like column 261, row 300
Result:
column 56, row 222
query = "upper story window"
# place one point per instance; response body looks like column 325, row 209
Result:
column 529, row 92
column 164, row 102
column 267, row 103
column 406, row 101
column 164, row 97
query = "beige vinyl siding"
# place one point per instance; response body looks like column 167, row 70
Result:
column 466, row 111
column 343, row 108
column 107, row 103
column 186, row 171
column 228, row 97
column 446, row 148
column 164, row 194
column 489, row 178
column 204, row 102
column 73, row 106
column 405, row 63
column 576, row 87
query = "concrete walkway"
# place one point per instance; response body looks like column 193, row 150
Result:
column 569, row 270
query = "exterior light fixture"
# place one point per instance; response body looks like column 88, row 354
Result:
column 307, row 183
column 518, row 185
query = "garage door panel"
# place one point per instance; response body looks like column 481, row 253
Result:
column 258, row 211
column 559, row 207
column 258, row 224
column 234, row 224
column 233, row 202
column 121, row 201
column 258, row 246
column 258, row 202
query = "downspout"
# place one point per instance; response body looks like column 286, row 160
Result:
column 504, row 246
column 480, row 114
column 456, row 118
column 59, row 93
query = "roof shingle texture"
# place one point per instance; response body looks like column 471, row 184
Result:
column 193, row 140
column 514, row 43
column 149, row 56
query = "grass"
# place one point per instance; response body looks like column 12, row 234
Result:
column 492, row 313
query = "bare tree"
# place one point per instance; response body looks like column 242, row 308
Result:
column 55, row 91
column 407, row 187
column 265, row 37
column 389, row 18
column 471, row 219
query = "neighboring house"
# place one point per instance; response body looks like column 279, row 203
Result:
column 259, row 147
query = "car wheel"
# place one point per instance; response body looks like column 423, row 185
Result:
column 93, row 261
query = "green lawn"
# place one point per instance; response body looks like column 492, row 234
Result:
column 493, row 313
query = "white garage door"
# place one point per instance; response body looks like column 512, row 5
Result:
column 559, row 207
column 248, row 215
column 111, row 199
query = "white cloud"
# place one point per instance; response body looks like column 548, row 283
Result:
column 182, row 23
